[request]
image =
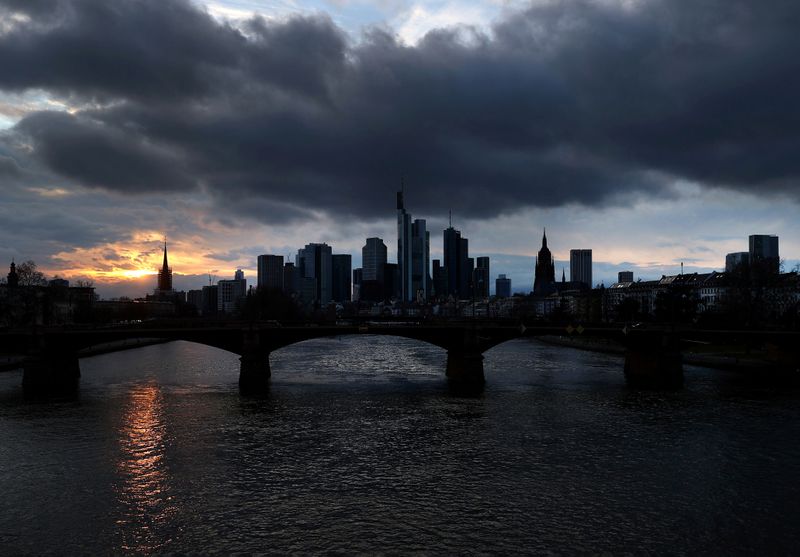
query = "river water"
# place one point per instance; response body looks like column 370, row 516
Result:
column 359, row 448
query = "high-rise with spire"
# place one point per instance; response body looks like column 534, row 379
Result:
column 165, row 275
column 545, row 274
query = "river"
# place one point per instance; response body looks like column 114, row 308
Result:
column 359, row 447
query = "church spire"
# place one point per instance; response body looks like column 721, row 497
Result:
column 165, row 266
column 544, row 238
column 165, row 274
column 563, row 276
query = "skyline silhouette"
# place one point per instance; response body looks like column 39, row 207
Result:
column 227, row 136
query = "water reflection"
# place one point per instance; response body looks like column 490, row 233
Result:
column 146, row 504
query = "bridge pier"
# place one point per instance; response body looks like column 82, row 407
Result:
column 465, row 370
column 654, row 363
column 254, row 372
column 50, row 374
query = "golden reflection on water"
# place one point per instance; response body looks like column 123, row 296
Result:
column 144, row 488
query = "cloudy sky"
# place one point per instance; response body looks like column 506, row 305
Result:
column 652, row 131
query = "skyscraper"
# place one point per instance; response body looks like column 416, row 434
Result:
column 764, row 251
column 439, row 279
column 457, row 263
column 165, row 275
column 404, row 250
column 481, row 277
column 373, row 256
column 502, row 287
column 420, row 258
column 314, row 268
column 545, row 273
column 580, row 266
column 342, row 286
column 270, row 272
column 290, row 277
column 452, row 261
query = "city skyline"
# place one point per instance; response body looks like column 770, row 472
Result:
column 97, row 165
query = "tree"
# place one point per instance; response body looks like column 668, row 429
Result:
column 29, row 275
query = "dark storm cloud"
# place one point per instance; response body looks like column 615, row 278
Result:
column 567, row 102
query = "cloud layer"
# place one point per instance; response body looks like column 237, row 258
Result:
column 575, row 101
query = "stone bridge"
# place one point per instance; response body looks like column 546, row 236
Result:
column 653, row 354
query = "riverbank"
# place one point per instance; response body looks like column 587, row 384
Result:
column 10, row 362
column 728, row 358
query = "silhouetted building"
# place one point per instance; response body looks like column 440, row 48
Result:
column 270, row 272
column 373, row 258
column 164, row 276
column 391, row 281
column 230, row 293
column 404, row 250
column 480, row 277
column 736, row 260
column 195, row 298
column 290, row 278
column 439, row 279
column 209, row 305
column 625, row 276
column 502, row 287
column 545, row 273
column 315, row 270
column 358, row 277
column 456, row 261
column 420, row 259
column 580, row 266
column 342, row 269
column 764, row 248
column 13, row 278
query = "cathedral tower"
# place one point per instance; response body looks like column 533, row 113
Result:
column 545, row 273
column 165, row 274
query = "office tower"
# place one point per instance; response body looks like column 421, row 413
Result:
column 231, row 292
column 625, row 276
column 210, row 304
column 391, row 281
column 456, row 261
column 195, row 298
column 481, row 277
column 270, row 272
column 420, row 258
column 451, row 259
column 545, row 273
column 358, row 276
column 580, row 266
column 289, row 278
column 470, row 276
column 736, row 260
column 341, row 279
column 764, row 251
column 315, row 273
column 439, row 279
column 164, row 275
column 502, row 287
column 373, row 258
column 404, row 249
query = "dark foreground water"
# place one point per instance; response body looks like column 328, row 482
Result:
column 359, row 447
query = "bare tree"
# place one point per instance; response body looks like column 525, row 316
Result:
column 29, row 275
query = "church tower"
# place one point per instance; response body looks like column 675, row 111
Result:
column 165, row 274
column 545, row 273
column 13, row 277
